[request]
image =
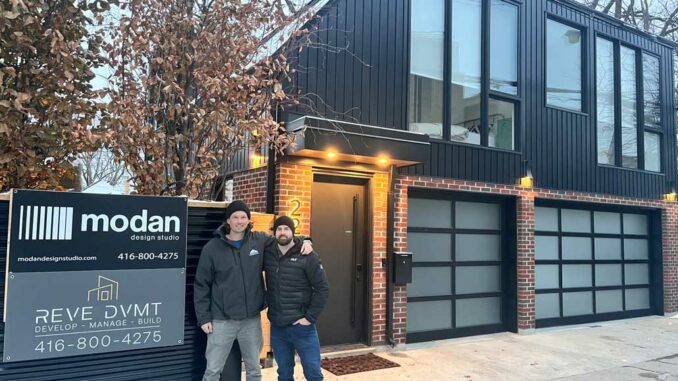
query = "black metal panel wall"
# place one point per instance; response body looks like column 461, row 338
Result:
column 184, row 362
column 362, row 75
column 357, row 67
column 469, row 162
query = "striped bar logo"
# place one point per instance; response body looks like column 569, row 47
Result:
column 39, row 223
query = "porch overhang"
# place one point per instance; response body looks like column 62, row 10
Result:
column 359, row 143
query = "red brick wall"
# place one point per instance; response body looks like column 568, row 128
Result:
column 250, row 186
column 670, row 256
column 525, row 231
column 293, row 194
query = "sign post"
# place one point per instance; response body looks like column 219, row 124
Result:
column 93, row 273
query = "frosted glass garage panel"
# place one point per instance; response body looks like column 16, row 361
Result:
column 430, row 281
column 428, row 316
column 577, row 303
column 635, row 248
column 636, row 273
column 430, row 247
column 546, row 219
column 577, row 276
column 547, row 306
column 478, row 311
column 606, row 223
column 608, row 248
column 609, row 301
column 478, row 247
column 477, row 279
column 545, row 247
column 429, row 213
column 637, row 299
column 573, row 220
column 635, row 224
column 477, row 215
column 608, row 275
column 576, row 248
column 547, row 276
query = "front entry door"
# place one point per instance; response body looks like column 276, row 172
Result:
column 338, row 231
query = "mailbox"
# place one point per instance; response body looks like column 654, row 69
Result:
column 402, row 268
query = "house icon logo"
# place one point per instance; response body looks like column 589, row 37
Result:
column 106, row 290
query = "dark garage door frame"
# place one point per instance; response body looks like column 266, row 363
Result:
column 507, row 264
column 654, row 261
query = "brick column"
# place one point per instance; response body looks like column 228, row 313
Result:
column 293, row 194
column 525, row 263
column 379, row 207
column 670, row 256
column 400, row 241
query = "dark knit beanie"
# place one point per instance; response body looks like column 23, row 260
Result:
column 283, row 220
column 237, row 206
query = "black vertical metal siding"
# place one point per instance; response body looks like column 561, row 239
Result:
column 365, row 81
column 357, row 67
column 184, row 362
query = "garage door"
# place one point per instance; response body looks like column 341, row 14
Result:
column 460, row 267
column 592, row 265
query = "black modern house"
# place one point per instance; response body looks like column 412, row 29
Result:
column 523, row 153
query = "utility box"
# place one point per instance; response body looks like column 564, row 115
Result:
column 402, row 268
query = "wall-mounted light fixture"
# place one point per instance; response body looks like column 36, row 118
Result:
column 527, row 181
column 671, row 196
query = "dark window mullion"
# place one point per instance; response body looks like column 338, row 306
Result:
column 617, row 105
column 485, row 73
column 640, row 113
column 447, row 70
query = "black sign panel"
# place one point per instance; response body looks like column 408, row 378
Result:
column 93, row 273
column 57, row 231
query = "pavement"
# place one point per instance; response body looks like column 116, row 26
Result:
column 634, row 349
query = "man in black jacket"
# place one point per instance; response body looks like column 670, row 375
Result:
column 228, row 292
column 296, row 291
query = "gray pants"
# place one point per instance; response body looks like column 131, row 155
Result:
column 220, row 341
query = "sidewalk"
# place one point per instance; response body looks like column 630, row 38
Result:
column 635, row 349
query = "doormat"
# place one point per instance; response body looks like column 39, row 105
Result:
column 356, row 364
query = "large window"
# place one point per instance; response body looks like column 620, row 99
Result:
column 629, row 103
column 483, row 92
column 563, row 66
column 605, row 97
column 628, row 106
column 426, row 67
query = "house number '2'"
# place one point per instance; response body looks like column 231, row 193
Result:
column 295, row 215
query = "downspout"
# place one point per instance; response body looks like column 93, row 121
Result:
column 390, row 221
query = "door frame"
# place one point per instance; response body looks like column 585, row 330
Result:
column 365, row 179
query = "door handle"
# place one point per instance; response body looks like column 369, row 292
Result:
column 358, row 272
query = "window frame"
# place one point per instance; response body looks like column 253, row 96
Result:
column 584, row 30
column 485, row 71
column 640, row 102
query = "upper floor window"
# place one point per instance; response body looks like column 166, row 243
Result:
column 628, row 106
column 483, row 93
column 563, row 66
column 427, row 33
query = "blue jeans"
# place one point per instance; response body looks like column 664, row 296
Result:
column 302, row 338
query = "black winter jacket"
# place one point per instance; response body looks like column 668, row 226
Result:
column 228, row 281
column 296, row 285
